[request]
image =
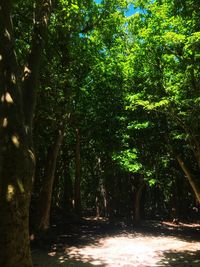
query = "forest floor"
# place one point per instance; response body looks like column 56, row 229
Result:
column 96, row 243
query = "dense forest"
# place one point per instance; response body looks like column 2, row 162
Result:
column 99, row 114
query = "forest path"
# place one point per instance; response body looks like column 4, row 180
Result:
column 98, row 244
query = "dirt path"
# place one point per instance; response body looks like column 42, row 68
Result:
column 155, row 245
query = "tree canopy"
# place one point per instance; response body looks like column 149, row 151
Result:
column 99, row 113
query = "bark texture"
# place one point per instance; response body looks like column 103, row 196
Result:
column 44, row 204
column 17, row 162
column 137, row 204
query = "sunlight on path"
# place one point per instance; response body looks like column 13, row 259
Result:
column 126, row 250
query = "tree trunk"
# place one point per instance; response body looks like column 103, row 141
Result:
column 137, row 204
column 104, row 200
column 109, row 184
column 16, row 175
column 68, row 193
column 97, row 206
column 44, row 204
column 16, row 157
column 193, row 182
column 77, row 182
column 17, row 162
column 137, row 185
column 67, row 203
column 197, row 154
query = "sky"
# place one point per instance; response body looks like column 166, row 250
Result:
column 130, row 12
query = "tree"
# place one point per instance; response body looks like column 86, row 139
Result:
column 17, row 160
column 166, row 82
column 70, row 77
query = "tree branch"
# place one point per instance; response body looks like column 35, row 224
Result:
column 194, row 184
column 31, row 70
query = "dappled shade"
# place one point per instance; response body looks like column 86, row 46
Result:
column 125, row 248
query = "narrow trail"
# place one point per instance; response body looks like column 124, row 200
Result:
column 98, row 244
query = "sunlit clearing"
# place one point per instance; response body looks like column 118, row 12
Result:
column 129, row 250
column 5, row 122
column 10, row 192
column 15, row 140
column 125, row 250
column 1, row 57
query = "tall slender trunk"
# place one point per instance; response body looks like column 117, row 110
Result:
column 104, row 199
column 100, row 200
column 17, row 162
column 68, row 193
column 77, row 182
column 67, row 204
column 97, row 206
column 137, row 204
column 109, row 186
column 44, row 204
column 137, row 185
column 193, row 182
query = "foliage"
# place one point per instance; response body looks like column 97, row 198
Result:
column 129, row 84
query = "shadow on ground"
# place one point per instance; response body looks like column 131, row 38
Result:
column 98, row 244
column 182, row 259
